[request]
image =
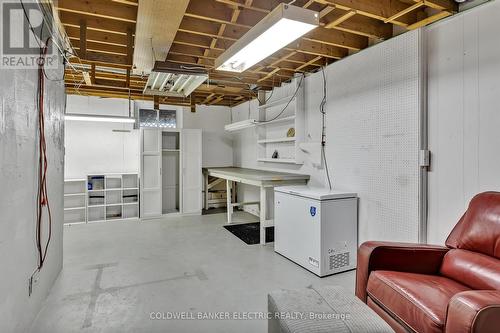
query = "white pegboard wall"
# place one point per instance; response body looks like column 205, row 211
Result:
column 373, row 124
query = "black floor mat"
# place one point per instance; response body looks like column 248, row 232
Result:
column 250, row 232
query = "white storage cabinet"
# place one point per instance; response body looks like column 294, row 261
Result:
column 171, row 175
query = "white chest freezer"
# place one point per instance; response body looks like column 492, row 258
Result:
column 316, row 228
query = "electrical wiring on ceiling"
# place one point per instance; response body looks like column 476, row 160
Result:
column 64, row 52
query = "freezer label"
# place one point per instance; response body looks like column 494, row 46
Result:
column 313, row 262
column 312, row 210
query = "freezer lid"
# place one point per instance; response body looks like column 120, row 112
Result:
column 316, row 193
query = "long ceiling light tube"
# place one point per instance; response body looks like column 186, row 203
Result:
column 279, row 28
column 98, row 118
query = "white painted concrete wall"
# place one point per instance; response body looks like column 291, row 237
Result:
column 373, row 109
column 18, row 179
column 464, row 117
column 217, row 143
column 93, row 147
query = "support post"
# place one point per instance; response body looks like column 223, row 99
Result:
column 206, row 190
column 229, row 185
column 263, row 214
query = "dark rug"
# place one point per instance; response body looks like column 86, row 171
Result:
column 250, row 232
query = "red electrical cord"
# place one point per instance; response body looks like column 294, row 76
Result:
column 42, row 196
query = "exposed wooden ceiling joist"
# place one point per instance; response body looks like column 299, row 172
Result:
column 208, row 27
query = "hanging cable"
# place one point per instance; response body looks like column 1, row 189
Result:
column 42, row 195
column 323, row 128
column 288, row 103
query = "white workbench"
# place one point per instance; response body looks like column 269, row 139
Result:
column 260, row 178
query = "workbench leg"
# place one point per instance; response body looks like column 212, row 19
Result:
column 263, row 209
column 234, row 192
column 206, row 191
column 229, row 185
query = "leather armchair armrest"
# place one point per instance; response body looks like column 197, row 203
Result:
column 391, row 256
column 475, row 311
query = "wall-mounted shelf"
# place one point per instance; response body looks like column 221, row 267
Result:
column 288, row 107
column 275, row 121
column 74, row 194
column 279, row 160
column 264, row 141
column 74, row 208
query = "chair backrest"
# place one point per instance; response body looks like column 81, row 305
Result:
column 474, row 258
column 479, row 228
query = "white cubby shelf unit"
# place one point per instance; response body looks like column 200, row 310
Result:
column 75, row 201
column 112, row 197
column 101, row 197
column 284, row 110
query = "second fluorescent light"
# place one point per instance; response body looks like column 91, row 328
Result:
column 279, row 28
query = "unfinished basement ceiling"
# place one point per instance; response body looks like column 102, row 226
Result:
column 208, row 27
column 156, row 27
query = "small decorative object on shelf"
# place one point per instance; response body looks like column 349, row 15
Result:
column 275, row 154
column 290, row 133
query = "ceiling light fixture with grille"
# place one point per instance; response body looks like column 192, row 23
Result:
column 174, row 80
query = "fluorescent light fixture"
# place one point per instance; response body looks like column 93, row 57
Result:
column 174, row 80
column 240, row 125
column 109, row 119
column 279, row 28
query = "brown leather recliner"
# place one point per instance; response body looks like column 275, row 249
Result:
column 426, row 288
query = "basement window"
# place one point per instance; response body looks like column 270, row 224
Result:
column 157, row 118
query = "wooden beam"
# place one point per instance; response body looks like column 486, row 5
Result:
column 193, row 103
column 127, row 2
column 96, row 23
column 341, row 19
column 274, row 71
column 361, row 25
column 98, row 47
column 92, row 73
column 156, row 102
column 379, row 10
column 97, row 36
column 83, row 39
column 130, row 47
column 309, row 63
column 107, row 58
column 445, row 5
column 429, row 20
column 245, row 6
column 337, row 38
column 209, row 97
column 404, row 11
column 99, row 8
column 217, row 100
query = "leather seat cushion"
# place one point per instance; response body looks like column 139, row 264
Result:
column 418, row 300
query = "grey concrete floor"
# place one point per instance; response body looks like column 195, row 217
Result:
column 116, row 274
